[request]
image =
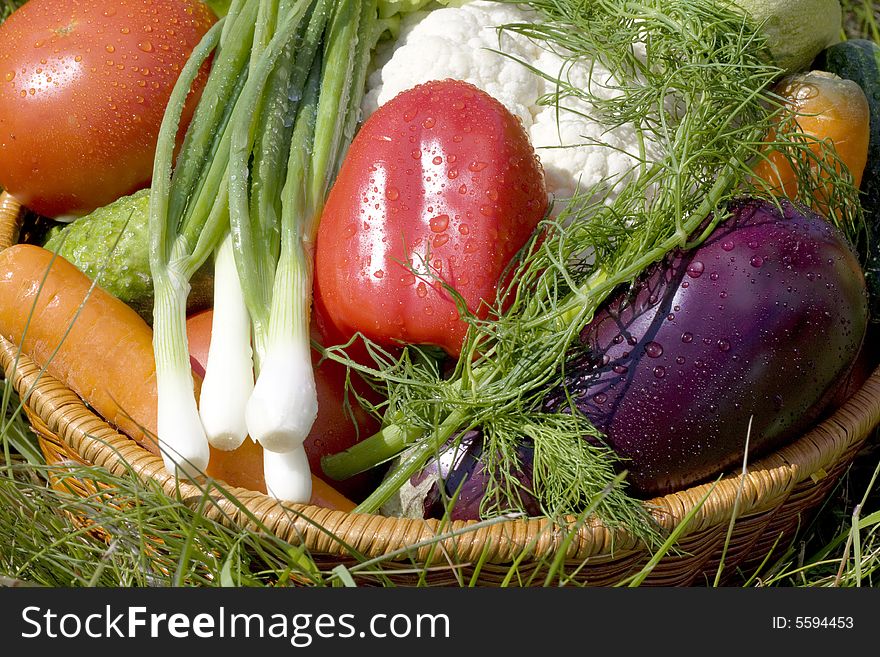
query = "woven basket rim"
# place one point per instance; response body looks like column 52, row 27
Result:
column 766, row 484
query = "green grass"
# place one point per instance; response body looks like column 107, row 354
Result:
column 861, row 19
column 148, row 538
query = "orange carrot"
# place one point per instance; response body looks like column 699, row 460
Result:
column 102, row 349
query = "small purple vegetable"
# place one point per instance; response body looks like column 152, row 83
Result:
column 463, row 465
column 762, row 321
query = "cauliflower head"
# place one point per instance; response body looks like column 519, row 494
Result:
column 577, row 151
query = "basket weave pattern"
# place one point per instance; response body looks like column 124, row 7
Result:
column 771, row 501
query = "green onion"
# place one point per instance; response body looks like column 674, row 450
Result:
column 266, row 140
column 181, row 436
column 229, row 374
column 284, row 404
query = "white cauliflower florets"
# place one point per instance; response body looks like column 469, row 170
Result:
column 458, row 42
column 576, row 151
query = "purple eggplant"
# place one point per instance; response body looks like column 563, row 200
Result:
column 760, row 324
column 461, row 469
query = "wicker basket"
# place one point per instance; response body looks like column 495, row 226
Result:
column 774, row 499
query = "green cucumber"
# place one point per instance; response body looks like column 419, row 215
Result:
column 112, row 244
column 859, row 60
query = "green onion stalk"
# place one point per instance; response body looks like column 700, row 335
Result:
column 187, row 219
column 229, row 371
column 228, row 379
column 284, row 404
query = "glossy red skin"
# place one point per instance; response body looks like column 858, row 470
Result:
column 764, row 320
column 83, row 87
column 441, row 180
column 333, row 431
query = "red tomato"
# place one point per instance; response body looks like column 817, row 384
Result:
column 443, row 181
column 83, row 87
column 332, row 432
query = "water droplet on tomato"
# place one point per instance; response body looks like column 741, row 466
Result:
column 428, row 123
column 687, row 337
column 727, row 245
column 109, row 48
column 379, row 273
column 422, row 290
column 439, row 223
column 724, row 345
column 659, row 372
column 146, row 46
column 452, row 174
column 10, row 76
column 620, row 369
column 437, row 160
column 464, row 229
column 441, row 239
column 477, row 166
column 392, row 193
column 756, row 261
